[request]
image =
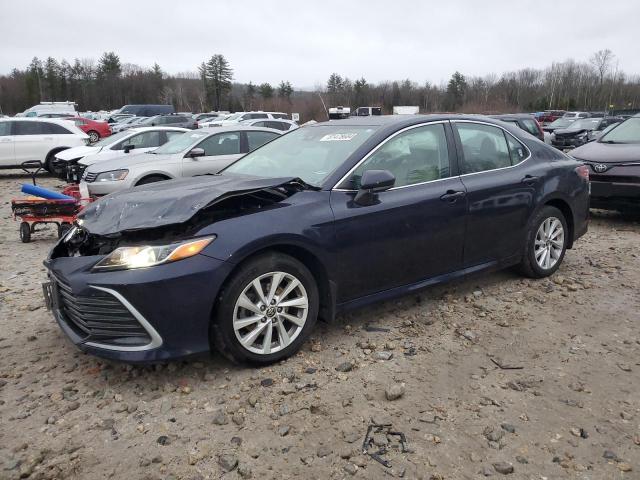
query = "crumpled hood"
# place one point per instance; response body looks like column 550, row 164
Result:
column 608, row 152
column 77, row 152
column 169, row 202
column 567, row 132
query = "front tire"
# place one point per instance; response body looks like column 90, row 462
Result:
column 266, row 311
column 547, row 240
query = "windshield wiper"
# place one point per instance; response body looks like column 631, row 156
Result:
column 610, row 142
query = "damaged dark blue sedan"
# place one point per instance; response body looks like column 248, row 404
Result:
column 326, row 218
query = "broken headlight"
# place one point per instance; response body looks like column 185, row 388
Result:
column 124, row 258
column 111, row 176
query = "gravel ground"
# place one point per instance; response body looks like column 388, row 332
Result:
column 491, row 375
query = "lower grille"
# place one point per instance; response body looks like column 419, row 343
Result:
column 614, row 178
column 90, row 177
column 100, row 318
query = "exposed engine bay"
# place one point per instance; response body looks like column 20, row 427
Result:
column 96, row 231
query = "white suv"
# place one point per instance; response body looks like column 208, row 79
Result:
column 28, row 139
column 242, row 116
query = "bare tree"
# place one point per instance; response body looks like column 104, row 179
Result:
column 601, row 60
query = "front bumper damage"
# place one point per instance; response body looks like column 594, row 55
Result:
column 153, row 313
column 168, row 308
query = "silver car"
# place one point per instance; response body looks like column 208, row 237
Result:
column 193, row 153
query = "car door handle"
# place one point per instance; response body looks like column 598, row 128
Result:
column 530, row 180
column 452, row 196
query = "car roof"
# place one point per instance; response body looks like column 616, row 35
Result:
column 63, row 121
column 256, row 120
column 400, row 121
column 146, row 129
column 237, row 127
column 513, row 116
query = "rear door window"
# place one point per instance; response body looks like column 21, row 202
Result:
column 484, row 147
column 257, row 139
column 28, row 128
column 143, row 140
column 221, row 144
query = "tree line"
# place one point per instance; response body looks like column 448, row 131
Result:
column 109, row 83
column 596, row 84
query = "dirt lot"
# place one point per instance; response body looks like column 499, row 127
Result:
column 492, row 374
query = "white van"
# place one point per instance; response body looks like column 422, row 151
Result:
column 44, row 108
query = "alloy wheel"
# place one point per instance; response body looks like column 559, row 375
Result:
column 549, row 243
column 93, row 137
column 270, row 312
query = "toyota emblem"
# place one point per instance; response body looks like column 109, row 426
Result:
column 600, row 167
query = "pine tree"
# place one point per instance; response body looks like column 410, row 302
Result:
column 266, row 90
column 285, row 90
column 218, row 75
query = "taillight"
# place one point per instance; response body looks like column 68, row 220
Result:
column 583, row 172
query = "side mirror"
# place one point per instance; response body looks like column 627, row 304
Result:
column 372, row 182
column 128, row 148
column 195, row 153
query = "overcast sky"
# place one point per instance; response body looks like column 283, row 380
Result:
column 304, row 41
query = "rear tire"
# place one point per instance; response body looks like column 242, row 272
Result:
column 93, row 136
column 25, row 232
column 547, row 240
column 276, row 318
column 151, row 179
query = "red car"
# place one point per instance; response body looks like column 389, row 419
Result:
column 95, row 130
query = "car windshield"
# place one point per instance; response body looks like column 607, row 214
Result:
column 111, row 139
column 310, row 153
column 235, row 116
column 180, row 143
column 562, row 122
column 625, row 132
column 585, row 124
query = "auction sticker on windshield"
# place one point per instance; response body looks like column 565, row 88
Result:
column 338, row 137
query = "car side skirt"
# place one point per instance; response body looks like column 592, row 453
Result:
column 428, row 282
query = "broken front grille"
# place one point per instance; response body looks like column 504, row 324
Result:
column 100, row 318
